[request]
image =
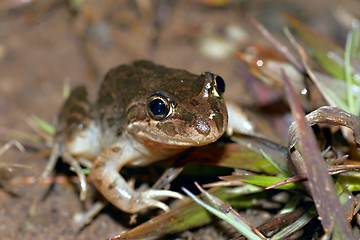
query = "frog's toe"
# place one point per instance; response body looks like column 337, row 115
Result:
column 156, row 204
column 152, row 193
column 149, row 195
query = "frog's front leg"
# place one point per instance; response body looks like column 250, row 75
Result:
column 104, row 174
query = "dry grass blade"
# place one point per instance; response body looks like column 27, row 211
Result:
column 329, row 55
column 280, row 47
column 321, row 185
column 5, row 148
column 305, row 61
column 167, row 177
column 276, row 223
column 332, row 171
column 9, row 144
column 7, row 134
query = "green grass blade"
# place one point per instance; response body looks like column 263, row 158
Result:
column 295, row 226
column 347, row 68
column 241, row 226
column 48, row 128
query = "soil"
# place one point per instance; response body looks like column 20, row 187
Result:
column 45, row 45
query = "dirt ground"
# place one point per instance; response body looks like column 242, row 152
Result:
column 46, row 44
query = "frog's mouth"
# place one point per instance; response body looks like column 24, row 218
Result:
column 146, row 135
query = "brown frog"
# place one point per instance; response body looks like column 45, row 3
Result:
column 144, row 113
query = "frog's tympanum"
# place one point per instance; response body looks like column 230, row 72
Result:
column 144, row 113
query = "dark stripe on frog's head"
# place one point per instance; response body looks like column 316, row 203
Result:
column 79, row 110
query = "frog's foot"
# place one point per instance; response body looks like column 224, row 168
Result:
column 54, row 155
column 147, row 199
column 104, row 174
column 74, row 163
column 117, row 191
column 83, row 219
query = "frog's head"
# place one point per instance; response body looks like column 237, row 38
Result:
column 181, row 110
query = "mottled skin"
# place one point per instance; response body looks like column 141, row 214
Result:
column 122, row 129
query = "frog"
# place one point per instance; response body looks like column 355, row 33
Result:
column 144, row 113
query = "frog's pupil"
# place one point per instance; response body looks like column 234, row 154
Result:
column 157, row 107
column 220, row 84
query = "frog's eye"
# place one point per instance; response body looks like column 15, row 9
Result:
column 220, row 84
column 158, row 107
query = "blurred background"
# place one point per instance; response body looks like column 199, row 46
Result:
column 46, row 44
